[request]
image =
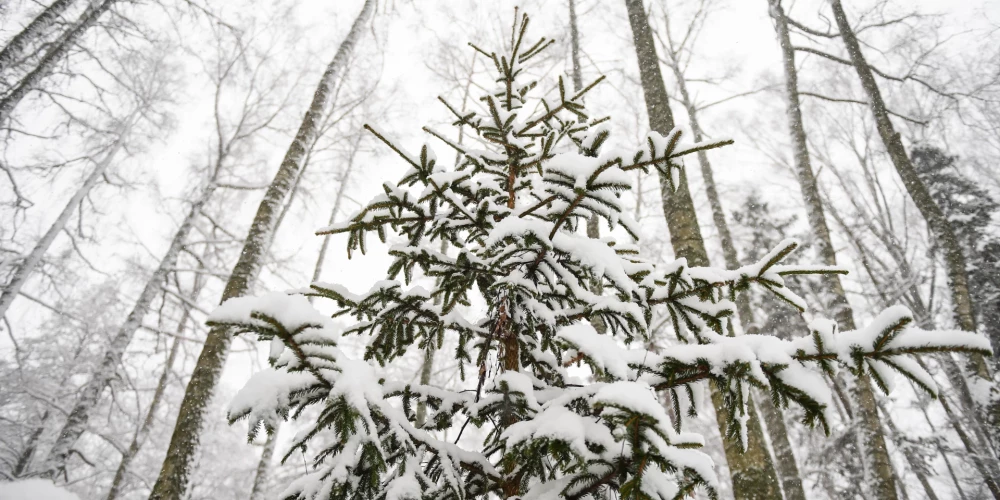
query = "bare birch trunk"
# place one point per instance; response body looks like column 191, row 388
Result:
column 259, row 489
column 27, row 267
column 58, row 50
column 24, row 459
column 871, row 441
column 787, row 469
column 941, row 229
column 983, row 462
column 76, row 422
column 36, row 29
column 752, row 470
column 264, row 464
column 593, row 224
column 147, row 424
column 173, row 481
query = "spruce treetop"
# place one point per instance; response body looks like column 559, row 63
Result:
column 511, row 213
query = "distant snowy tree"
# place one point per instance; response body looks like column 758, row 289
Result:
column 970, row 210
column 513, row 214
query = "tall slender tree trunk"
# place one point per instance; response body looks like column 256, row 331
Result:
column 911, row 458
column 173, row 480
column 35, row 30
column 941, row 229
column 752, row 470
column 76, row 422
column 593, row 224
column 877, row 465
column 28, row 265
column 142, row 435
column 52, row 57
column 267, row 455
column 259, row 489
column 787, row 469
column 978, row 451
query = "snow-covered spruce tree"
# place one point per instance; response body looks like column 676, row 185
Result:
column 513, row 213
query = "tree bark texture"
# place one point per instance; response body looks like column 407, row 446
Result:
column 259, row 489
column 752, row 470
column 147, row 424
column 875, row 456
column 173, row 481
column 787, row 469
column 76, row 422
column 56, row 52
column 35, row 30
column 941, row 229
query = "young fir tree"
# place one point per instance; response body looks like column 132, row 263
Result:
column 513, row 212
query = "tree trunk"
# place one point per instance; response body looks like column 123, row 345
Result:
column 874, row 455
column 752, row 470
column 173, row 481
column 263, row 468
column 24, row 459
column 593, row 224
column 787, row 469
column 147, row 424
column 36, row 29
column 76, row 422
column 27, row 267
column 264, row 465
column 941, row 229
column 59, row 48
column 983, row 462
column 910, row 457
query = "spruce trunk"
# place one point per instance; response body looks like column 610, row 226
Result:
column 52, row 57
column 941, row 229
column 871, row 441
column 35, row 30
column 752, row 470
column 76, row 422
column 173, row 480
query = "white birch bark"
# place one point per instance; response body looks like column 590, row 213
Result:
column 35, row 30
column 76, row 422
column 173, row 479
column 875, row 460
column 52, row 56
column 31, row 261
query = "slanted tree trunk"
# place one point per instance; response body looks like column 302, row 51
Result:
column 977, row 446
column 875, row 459
column 76, row 422
column 35, row 30
column 941, row 229
column 787, row 469
column 147, row 424
column 752, row 470
column 173, row 480
column 56, row 52
column 31, row 261
column 24, row 459
column 267, row 455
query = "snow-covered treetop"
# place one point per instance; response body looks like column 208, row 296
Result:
column 510, row 211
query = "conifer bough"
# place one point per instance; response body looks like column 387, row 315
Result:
column 513, row 212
